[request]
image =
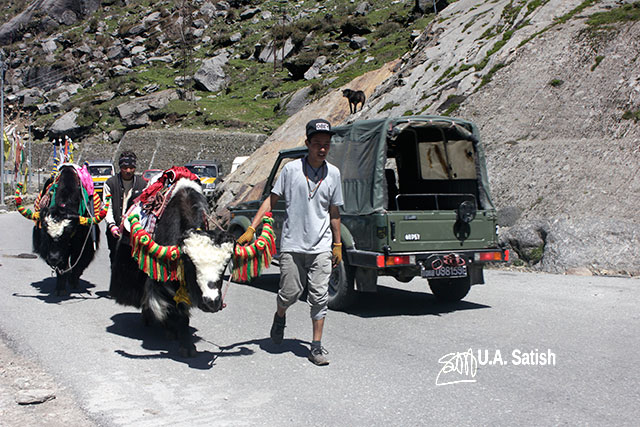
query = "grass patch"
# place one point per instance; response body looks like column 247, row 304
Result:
column 388, row 106
column 599, row 59
column 624, row 13
column 487, row 77
column 560, row 20
column 451, row 109
column 556, row 82
column 631, row 115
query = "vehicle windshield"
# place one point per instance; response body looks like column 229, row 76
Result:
column 151, row 173
column 203, row 170
column 100, row 170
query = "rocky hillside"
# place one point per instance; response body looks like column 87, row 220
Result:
column 96, row 69
column 552, row 84
column 555, row 90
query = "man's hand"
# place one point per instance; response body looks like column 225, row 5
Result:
column 337, row 254
column 247, row 236
column 114, row 230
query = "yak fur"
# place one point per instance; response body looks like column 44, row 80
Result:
column 205, row 255
column 58, row 237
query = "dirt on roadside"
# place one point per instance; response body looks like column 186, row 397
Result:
column 23, row 380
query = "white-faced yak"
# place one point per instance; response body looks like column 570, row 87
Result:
column 179, row 264
column 65, row 234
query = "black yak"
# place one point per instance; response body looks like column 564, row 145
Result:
column 355, row 97
column 184, row 263
column 66, row 234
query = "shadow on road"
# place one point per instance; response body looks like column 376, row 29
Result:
column 297, row 347
column 47, row 287
column 387, row 301
column 401, row 302
column 153, row 338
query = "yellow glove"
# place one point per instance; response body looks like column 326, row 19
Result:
column 337, row 253
column 247, row 236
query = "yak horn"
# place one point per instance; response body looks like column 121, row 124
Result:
column 90, row 220
column 25, row 212
column 139, row 236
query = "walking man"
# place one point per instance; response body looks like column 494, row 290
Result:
column 310, row 242
column 123, row 188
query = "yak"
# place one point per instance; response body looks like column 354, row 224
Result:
column 196, row 257
column 355, row 97
column 65, row 234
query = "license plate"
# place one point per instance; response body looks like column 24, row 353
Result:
column 445, row 271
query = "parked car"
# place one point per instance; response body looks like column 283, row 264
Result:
column 237, row 162
column 208, row 171
column 150, row 173
column 100, row 171
column 416, row 204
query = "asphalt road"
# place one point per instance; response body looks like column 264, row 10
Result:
column 387, row 354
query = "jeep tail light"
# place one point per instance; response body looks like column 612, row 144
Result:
column 492, row 256
column 393, row 260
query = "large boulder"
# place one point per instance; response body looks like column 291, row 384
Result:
column 211, row 75
column 67, row 124
column 135, row 113
column 55, row 12
column 266, row 54
column 314, row 71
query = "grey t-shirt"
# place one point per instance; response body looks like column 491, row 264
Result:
column 307, row 227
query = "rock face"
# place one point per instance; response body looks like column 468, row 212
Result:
column 135, row 113
column 266, row 55
column 59, row 11
column 66, row 125
column 559, row 154
column 211, row 75
column 247, row 182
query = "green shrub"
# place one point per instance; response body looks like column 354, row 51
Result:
column 556, row 82
column 598, row 61
column 387, row 28
column 631, row 115
column 88, row 116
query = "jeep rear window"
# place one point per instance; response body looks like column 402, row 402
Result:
column 447, row 160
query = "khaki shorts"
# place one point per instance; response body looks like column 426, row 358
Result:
column 299, row 271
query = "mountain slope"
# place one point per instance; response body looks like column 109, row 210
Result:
column 556, row 97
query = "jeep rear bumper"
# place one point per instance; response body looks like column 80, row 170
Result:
column 415, row 260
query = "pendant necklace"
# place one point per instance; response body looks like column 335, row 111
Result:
column 312, row 192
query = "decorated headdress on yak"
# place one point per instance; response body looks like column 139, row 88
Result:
column 168, row 259
column 65, row 232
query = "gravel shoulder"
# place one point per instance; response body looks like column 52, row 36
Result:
column 24, row 380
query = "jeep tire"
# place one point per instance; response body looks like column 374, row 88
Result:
column 450, row 290
column 341, row 287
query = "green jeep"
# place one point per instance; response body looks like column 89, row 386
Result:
column 416, row 204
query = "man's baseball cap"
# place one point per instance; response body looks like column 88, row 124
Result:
column 317, row 126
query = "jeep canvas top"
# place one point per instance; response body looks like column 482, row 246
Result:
column 417, row 204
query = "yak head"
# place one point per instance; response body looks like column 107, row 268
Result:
column 205, row 255
column 58, row 227
column 180, row 233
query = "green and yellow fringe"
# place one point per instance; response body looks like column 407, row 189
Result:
column 249, row 260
